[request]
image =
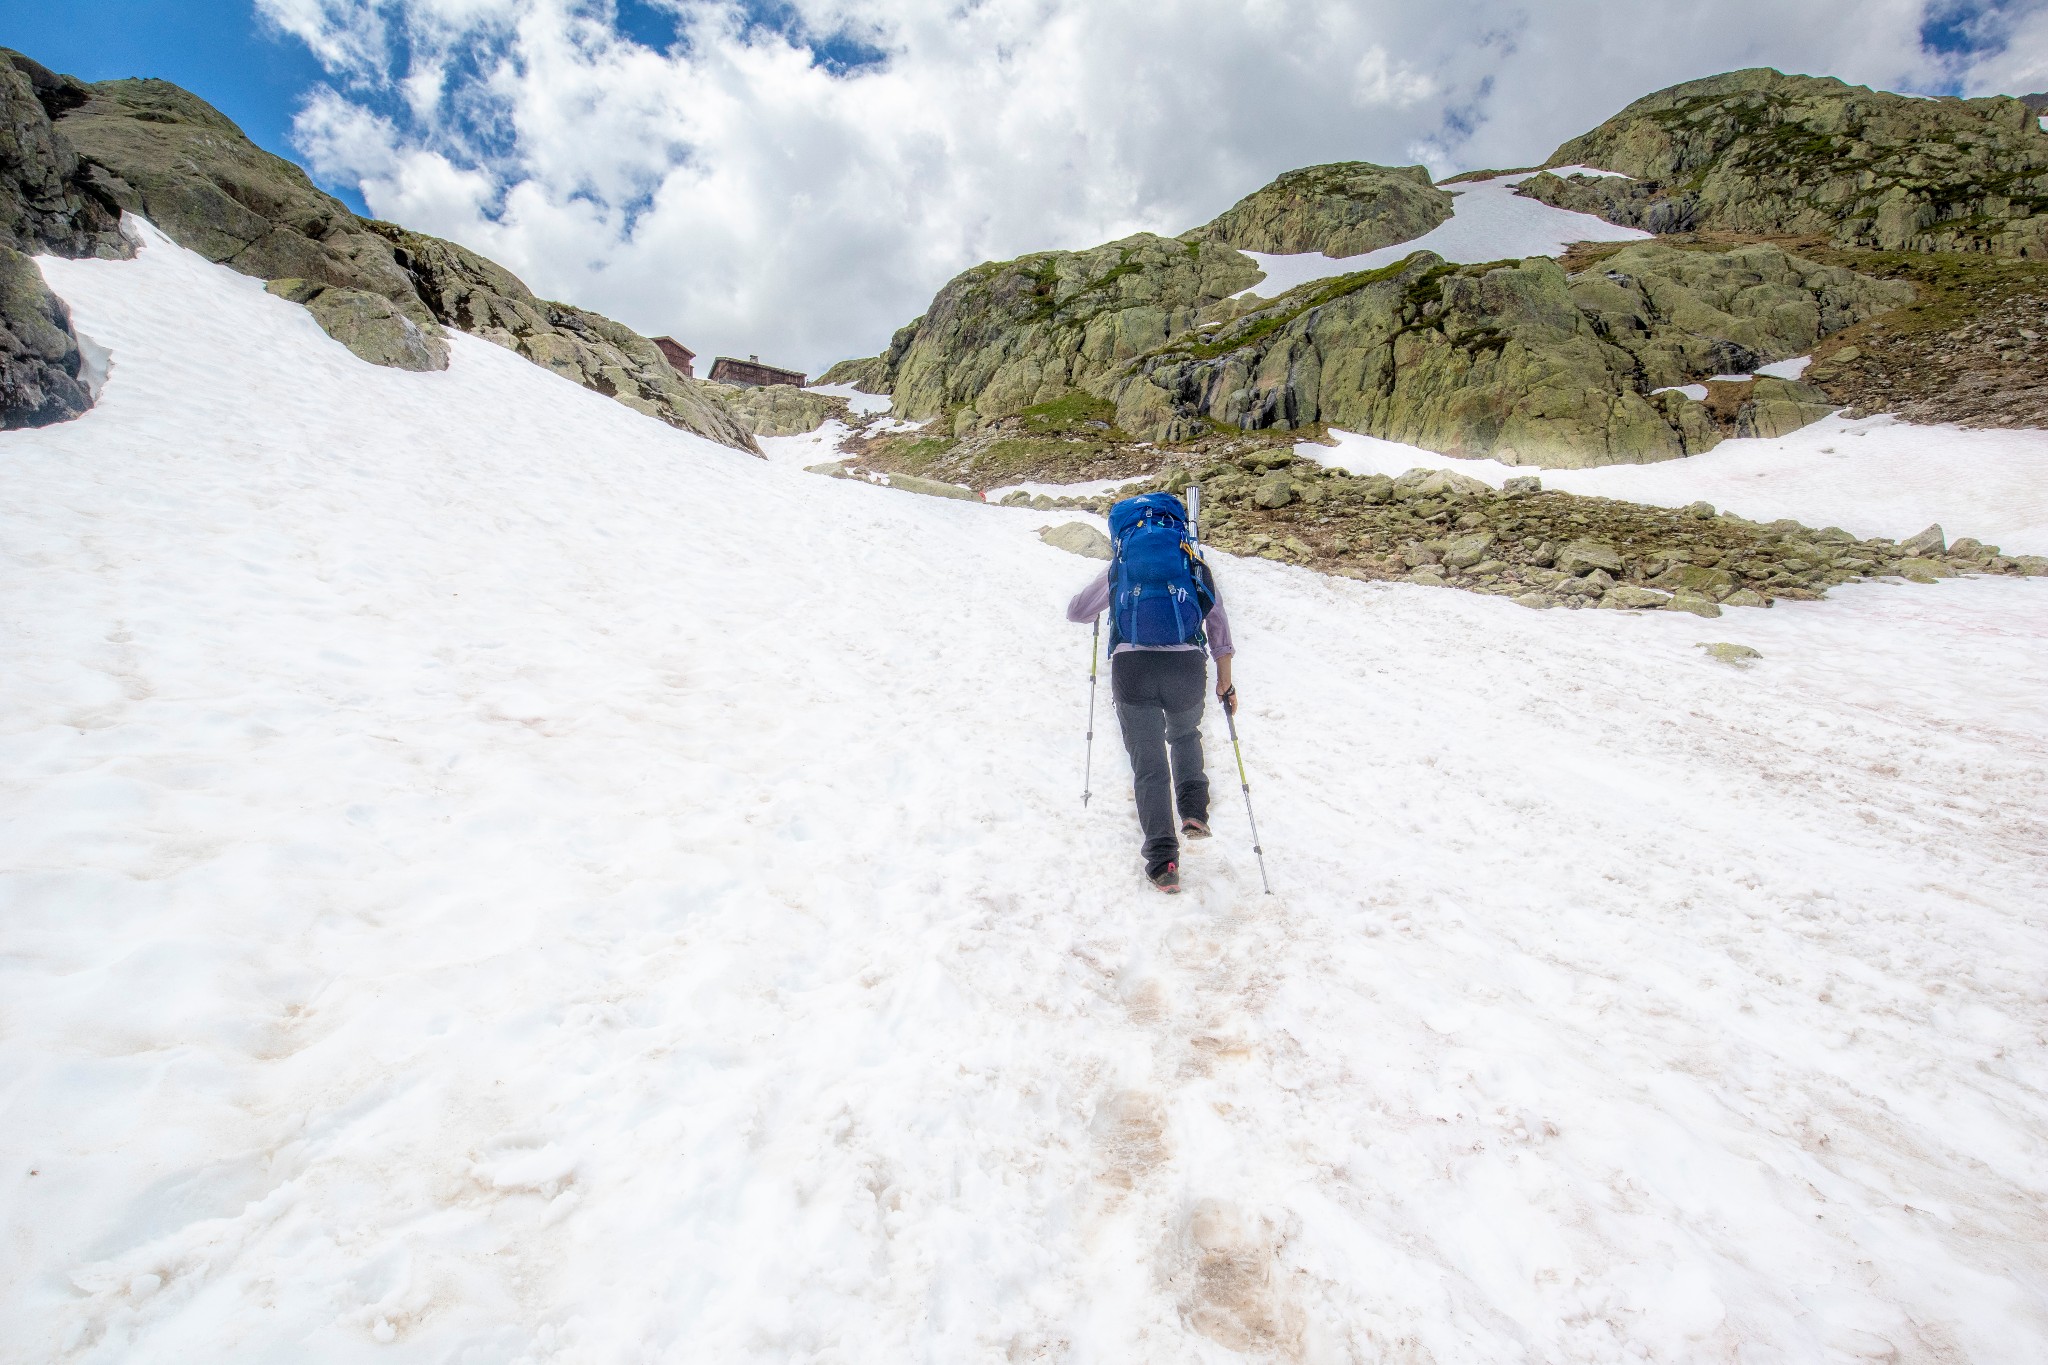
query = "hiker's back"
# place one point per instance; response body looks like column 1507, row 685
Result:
column 1155, row 594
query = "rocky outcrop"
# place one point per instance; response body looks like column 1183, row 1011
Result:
column 1344, row 209
column 783, row 410
column 476, row 295
column 1548, row 549
column 1077, row 538
column 1759, row 151
column 1004, row 336
column 1525, row 361
column 39, row 355
column 1520, row 362
column 1685, row 314
column 168, row 156
column 48, row 203
column 368, row 324
column 150, row 148
column 869, row 374
column 1973, row 350
column 1010, row 334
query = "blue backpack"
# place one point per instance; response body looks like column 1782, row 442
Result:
column 1159, row 588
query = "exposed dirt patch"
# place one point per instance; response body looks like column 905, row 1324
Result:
column 1130, row 1136
column 1235, row 1300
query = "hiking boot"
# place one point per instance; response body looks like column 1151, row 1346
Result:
column 1167, row 878
column 1193, row 828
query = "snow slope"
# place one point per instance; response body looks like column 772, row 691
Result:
column 860, row 403
column 490, row 878
column 1874, row 476
column 1488, row 222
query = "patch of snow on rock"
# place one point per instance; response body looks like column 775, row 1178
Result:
column 806, row 448
column 1874, row 476
column 1489, row 222
column 1595, row 171
column 858, row 402
column 1786, row 369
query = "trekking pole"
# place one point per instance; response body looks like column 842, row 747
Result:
column 1230, row 719
column 1088, row 771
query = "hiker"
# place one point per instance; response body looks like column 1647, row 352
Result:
column 1164, row 614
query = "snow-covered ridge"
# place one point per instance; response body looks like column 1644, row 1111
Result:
column 485, row 876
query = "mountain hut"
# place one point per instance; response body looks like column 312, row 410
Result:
column 679, row 356
column 752, row 374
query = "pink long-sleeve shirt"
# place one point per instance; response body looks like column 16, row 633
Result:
column 1092, row 600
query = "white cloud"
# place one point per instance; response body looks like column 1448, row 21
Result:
column 2022, row 67
column 736, row 192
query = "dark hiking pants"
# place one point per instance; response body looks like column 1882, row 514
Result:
column 1159, row 707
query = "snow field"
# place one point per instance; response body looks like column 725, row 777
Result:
column 860, row 403
column 490, row 878
column 806, row 448
column 1488, row 222
column 1874, row 476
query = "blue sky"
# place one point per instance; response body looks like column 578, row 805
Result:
column 226, row 52
column 796, row 177
column 218, row 49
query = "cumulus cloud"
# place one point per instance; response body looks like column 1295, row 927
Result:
column 796, row 179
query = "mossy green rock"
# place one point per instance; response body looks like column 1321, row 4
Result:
column 1923, row 570
column 782, row 409
column 372, row 326
column 1627, row 597
column 1077, row 537
column 1274, row 490
column 1687, row 314
column 1696, row 578
column 1696, row 603
column 1778, row 407
column 910, row 483
column 1005, row 336
column 1008, row 335
column 1344, row 209
column 869, row 374
column 1587, row 556
column 1516, row 361
column 1759, row 151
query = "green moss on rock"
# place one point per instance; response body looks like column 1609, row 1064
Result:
column 1518, row 361
column 1343, row 209
column 1760, row 151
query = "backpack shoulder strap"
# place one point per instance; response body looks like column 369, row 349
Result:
column 1206, row 596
